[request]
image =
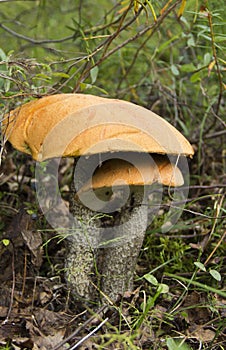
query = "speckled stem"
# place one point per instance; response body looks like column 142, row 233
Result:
column 80, row 265
column 110, row 266
column 117, row 263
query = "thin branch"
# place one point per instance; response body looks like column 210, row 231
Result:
column 100, row 47
column 88, row 335
column 121, row 27
column 94, row 30
column 215, row 134
column 15, row 0
column 83, row 326
column 33, row 41
column 154, row 26
column 216, row 60
column 13, row 288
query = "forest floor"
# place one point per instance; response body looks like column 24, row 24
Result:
column 38, row 312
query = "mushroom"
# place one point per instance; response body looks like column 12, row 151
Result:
column 111, row 141
column 106, row 192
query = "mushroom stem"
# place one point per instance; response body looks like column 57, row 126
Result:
column 80, row 264
column 93, row 260
column 119, row 261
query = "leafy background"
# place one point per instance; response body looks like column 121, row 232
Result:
column 168, row 56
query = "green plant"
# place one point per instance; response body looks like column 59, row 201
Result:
column 176, row 344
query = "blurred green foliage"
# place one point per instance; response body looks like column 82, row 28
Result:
column 162, row 55
column 63, row 38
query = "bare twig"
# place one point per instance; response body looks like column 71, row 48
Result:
column 88, row 335
column 85, row 324
column 33, row 41
column 13, row 0
column 153, row 27
column 13, row 288
column 213, row 135
column 212, row 36
column 219, row 204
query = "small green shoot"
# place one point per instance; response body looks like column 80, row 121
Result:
column 161, row 287
column 175, row 344
column 214, row 273
column 5, row 242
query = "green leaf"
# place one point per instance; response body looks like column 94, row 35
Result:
column 93, row 74
column 176, row 344
column 41, row 76
column 167, row 43
column 174, row 70
column 200, row 265
column 219, row 38
column 207, row 58
column 184, row 128
column 151, row 279
column 191, row 41
column 163, row 288
column 84, row 86
column 2, row 55
column 215, row 274
column 188, row 67
column 7, row 84
column 198, row 284
column 195, row 77
column 5, row 242
column 30, row 211
column 61, row 75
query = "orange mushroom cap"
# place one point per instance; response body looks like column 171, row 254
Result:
column 71, row 125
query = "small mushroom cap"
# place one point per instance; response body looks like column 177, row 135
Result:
column 118, row 172
column 72, row 125
column 108, row 189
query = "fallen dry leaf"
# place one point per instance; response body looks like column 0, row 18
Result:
column 33, row 240
column 196, row 308
column 49, row 342
column 200, row 333
column 49, row 320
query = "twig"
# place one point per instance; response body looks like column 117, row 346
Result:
column 211, row 136
column 218, row 207
column 197, row 284
column 13, row 0
column 154, row 26
column 80, row 328
column 121, row 27
column 204, row 186
column 215, row 59
column 24, row 274
column 33, row 41
column 215, row 248
column 194, row 212
column 13, row 288
column 88, row 335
